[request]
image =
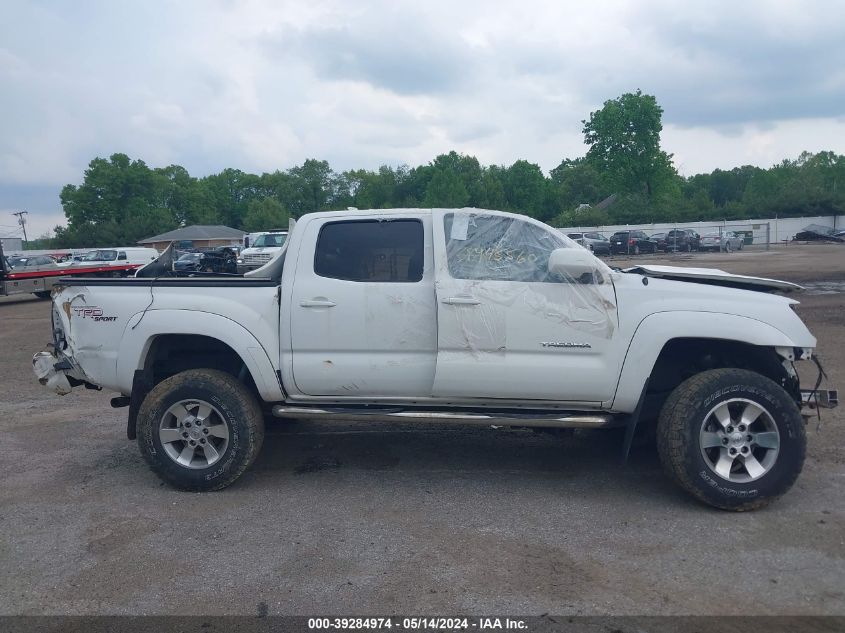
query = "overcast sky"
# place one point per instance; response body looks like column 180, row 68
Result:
column 261, row 85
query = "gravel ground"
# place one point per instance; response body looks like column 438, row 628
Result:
column 363, row 519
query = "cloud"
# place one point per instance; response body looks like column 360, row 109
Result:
column 262, row 85
column 380, row 54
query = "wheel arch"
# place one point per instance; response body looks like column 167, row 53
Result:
column 668, row 345
column 205, row 336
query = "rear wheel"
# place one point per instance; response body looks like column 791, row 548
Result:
column 200, row 429
column 732, row 438
column 728, row 248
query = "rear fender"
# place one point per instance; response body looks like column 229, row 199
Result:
column 143, row 327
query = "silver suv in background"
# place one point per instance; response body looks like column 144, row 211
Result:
column 592, row 241
column 728, row 241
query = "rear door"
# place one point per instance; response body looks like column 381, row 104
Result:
column 506, row 328
column 362, row 317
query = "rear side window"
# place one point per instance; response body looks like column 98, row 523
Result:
column 121, row 255
column 371, row 250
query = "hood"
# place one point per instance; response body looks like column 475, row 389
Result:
column 714, row 277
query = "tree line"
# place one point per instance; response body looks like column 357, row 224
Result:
column 625, row 172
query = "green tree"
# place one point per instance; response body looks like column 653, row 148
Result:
column 265, row 214
column 469, row 172
column 525, row 189
column 445, row 190
column 576, row 182
column 119, row 202
column 187, row 199
column 624, row 141
column 314, row 187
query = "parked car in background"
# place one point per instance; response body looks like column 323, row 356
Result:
column 682, row 240
column 726, row 241
column 660, row 239
column 219, row 260
column 31, row 262
column 631, row 243
column 592, row 241
column 120, row 256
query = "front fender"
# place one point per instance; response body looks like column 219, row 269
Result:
column 654, row 331
column 143, row 327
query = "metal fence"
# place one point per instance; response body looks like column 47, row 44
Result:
column 669, row 237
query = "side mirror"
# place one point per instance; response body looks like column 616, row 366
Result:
column 571, row 263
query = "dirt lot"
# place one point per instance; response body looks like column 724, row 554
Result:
column 361, row 519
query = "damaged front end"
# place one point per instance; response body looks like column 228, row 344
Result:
column 816, row 398
column 812, row 399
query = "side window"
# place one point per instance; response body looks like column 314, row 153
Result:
column 121, row 255
column 371, row 250
column 493, row 247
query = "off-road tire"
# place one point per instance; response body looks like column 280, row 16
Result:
column 679, row 446
column 240, row 412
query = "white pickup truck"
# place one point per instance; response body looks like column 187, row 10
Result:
column 461, row 316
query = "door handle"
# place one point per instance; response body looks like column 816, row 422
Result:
column 461, row 301
column 317, row 303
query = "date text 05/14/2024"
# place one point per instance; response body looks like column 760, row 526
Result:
column 417, row 623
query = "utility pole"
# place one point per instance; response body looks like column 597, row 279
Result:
column 22, row 222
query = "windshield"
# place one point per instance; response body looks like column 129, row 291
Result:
column 267, row 239
column 190, row 257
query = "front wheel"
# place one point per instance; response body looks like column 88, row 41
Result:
column 732, row 438
column 200, row 429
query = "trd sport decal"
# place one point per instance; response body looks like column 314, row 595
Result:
column 91, row 312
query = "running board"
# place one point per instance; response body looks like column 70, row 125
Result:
column 569, row 420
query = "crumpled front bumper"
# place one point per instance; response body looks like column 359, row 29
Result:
column 55, row 373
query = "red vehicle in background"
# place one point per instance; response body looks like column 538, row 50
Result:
column 36, row 274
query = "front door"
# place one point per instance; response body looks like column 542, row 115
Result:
column 509, row 329
column 363, row 321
